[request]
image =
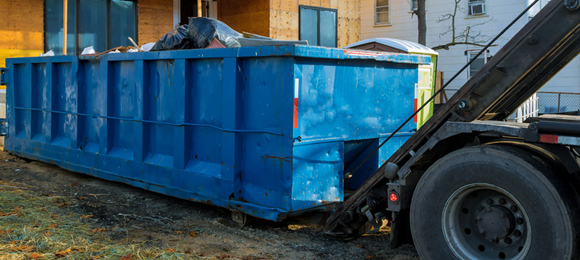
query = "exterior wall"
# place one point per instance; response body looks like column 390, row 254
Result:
column 280, row 19
column 285, row 19
column 498, row 14
column 22, row 33
column 155, row 19
column 246, row 16
column 22, row 30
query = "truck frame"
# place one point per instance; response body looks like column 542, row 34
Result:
column 469, row 185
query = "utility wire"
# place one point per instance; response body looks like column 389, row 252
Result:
column 443, row 88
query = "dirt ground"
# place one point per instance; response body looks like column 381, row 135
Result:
column 155, row 220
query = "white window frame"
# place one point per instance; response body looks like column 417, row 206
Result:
column 388, row 6
column 471, row 3
column 485, row 55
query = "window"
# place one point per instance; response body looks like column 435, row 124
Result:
column 477, row 64
column 475, row 7
column 318, row 26
column 102, row 24
column 381, row 11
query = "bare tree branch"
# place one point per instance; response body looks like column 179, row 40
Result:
column 467, row 36
column 446, row 46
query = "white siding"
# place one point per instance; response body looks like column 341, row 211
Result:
column 501, row 12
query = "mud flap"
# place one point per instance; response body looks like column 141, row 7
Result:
column 401, row 229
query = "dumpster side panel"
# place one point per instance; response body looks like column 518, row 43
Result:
column 267, row 158
column 174, row 126
column 354, row 99
column 341, row 104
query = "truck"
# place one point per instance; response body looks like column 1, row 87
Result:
column 468, row 184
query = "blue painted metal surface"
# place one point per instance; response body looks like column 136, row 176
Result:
column 268, row 131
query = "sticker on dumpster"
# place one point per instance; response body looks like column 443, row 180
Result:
column 416, row 97
column 296, row 91
column 361, row 53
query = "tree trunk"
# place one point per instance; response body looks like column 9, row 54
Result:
column 422, row 24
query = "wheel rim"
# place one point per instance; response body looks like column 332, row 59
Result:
column 484, row 221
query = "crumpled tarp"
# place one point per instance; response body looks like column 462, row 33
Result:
column 198, row 34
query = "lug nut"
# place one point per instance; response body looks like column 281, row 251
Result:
column 489, row 201
column 495, row 241
column 520, row 221
column 507, row 240
column 502, row 201
column 514, row 208
column 517, row 233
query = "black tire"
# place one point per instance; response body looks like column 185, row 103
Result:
column 550, row 207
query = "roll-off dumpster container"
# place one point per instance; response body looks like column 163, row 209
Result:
column 268, row 131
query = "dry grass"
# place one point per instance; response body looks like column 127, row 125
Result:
column 33, row 226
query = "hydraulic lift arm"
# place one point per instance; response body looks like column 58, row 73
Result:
column 531, row 58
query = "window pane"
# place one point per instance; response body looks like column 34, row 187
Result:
column 122, row 23
column 476, row 65
column 309, row 25
column 477, row 9
column 54, row 29
column 93, row 24
column 383, row 17
column 382, row 2
column 328, row 28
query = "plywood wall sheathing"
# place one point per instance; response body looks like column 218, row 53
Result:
column 22, row 24
column 246, row 16
column 334, row 4
column 155, row 19
column 285, row 20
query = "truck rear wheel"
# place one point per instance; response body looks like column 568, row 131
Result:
column 494, row 202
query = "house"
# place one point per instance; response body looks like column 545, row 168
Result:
column 476, row 21
column 35, row 26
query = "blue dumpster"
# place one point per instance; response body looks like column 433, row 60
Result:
column 268, row 131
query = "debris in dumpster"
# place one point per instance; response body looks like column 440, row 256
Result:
column 88, row 50
column 134, row 44
column 114, row 50
column 147, row 47
column 203, row 30
column 177, row 39
column 198, row 34
column 47, row 54
column 215, row 44
column 245, row 42
column 251, row 39
column 209, row 33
